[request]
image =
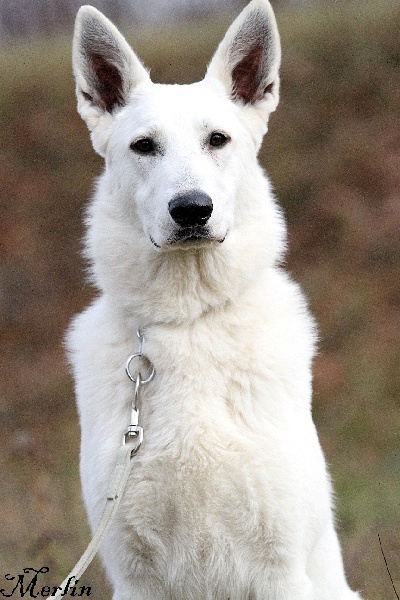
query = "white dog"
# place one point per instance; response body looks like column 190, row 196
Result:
column 229, row 497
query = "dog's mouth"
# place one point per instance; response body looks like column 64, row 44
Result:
column 189, row 237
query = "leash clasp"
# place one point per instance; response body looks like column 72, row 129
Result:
column 139, row 354
column 133, row 436
column 134, row 433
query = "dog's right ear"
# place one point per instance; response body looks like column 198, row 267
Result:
column 106, row 70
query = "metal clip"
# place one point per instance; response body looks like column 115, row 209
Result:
column 134, row 414
column 139, row 355
column 141, row 339
column 133, row 436
column 152, row 370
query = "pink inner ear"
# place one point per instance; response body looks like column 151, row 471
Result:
column 246, row 76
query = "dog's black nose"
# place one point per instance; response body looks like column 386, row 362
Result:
column 191, row 208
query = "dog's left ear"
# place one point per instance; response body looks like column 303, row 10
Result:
column 248, row 58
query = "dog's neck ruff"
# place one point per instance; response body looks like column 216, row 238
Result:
column 131, row 442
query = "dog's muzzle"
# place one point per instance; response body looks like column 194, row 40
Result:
column 190, row 212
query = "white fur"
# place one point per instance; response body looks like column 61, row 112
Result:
column 229, row 498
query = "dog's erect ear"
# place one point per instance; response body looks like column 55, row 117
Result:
column 248, row 58
column 106, row 68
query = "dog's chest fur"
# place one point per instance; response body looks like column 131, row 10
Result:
column 227, row 432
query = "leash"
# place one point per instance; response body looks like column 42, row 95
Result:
column 131, row 442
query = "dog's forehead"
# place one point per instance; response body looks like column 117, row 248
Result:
column 167, row 106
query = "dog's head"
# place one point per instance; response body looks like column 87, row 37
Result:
column 178, row 154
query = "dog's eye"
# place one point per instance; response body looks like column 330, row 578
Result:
column 218, row 139
column 143, row 146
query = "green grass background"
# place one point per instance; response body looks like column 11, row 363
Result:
column 333, row 154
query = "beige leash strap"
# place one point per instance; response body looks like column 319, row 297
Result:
column 132, row 441
column 114, row 495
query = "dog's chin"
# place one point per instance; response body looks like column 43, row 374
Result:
column 188, row 239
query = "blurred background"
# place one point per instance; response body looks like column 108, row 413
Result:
column 333, row 154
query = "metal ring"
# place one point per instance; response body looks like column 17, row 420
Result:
column 131, row 377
